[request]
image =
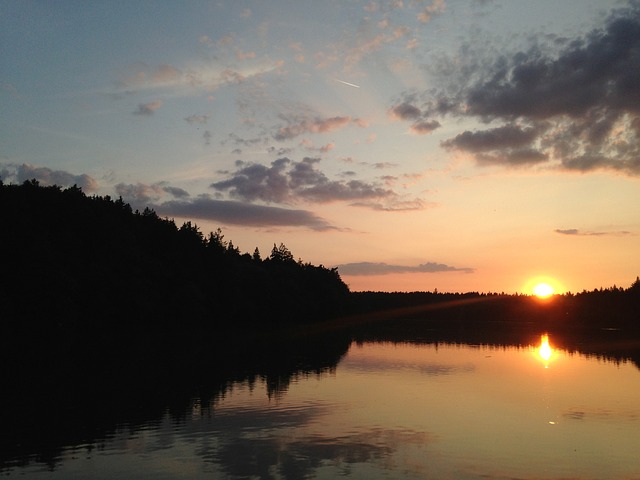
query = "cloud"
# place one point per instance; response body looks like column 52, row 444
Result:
column 140, row 194
column 505, row 136
column 239, row 213
column 397, row 205
column 437, row 6
column 425, row 127
column 576, row 232
column 573, row 104
column 301, row 124
column 308, row 145
column 512, row 157
column 246, row 142
column 197, row 119
column 508, row 144
column 176, row 192
column 372, row 268
column 199, row 78
column 141, row 75
column 569, row 231
column 286, row 181
column 148, row 108
column 46, row 176
column 405, row 111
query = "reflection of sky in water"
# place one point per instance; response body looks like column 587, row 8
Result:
column 397, row 411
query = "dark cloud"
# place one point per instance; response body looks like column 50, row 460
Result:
column 512, row 157
column 573, row 103
column 508, row 144
column 406, row 111
column 238, row 213
column 371, row 268
column 46, row 176
column 501, row 137
column 147, row 109
column 287, row 181
column 600, row 71
column 576, row 232
column 425, row 127
column 176, row 192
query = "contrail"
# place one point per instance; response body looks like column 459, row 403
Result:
column 347, row 83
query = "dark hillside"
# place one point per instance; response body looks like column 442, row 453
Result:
column 87, row 281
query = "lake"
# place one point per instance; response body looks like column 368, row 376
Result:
column 388, row 410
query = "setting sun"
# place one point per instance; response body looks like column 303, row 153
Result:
column 543, row 287
column 543, row 290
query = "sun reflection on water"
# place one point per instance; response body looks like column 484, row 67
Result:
column 545, row 351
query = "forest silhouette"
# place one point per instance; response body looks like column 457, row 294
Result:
column 105, row 308
column 86, row 277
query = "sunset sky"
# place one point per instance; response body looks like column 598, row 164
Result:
column 460, row 145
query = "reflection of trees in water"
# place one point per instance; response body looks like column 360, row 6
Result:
column 246, row 455
column 85, row 411
column 251, row 457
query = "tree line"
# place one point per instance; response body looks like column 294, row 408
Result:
column 88, row 275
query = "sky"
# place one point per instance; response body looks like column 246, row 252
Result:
column 457, row 145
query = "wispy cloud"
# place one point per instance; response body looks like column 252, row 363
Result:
column 300, row 124
column 197, row 119
column 148, row 108
column 373, row 268
column 582, row 233
column 199, row 77
column 434, row 8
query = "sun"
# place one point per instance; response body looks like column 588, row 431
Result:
column 543, row 290
column 543, row 287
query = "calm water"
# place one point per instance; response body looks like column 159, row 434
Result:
column 393, row 411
